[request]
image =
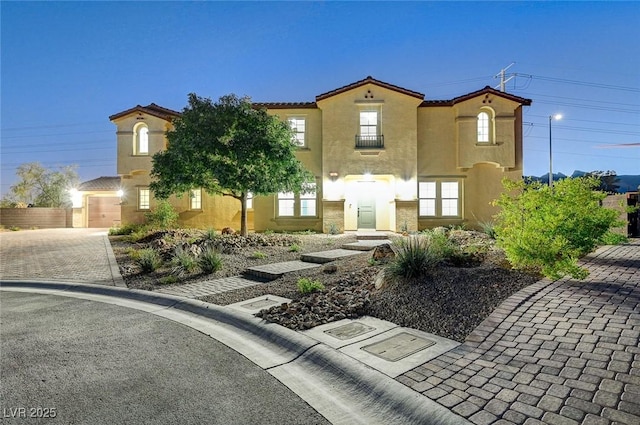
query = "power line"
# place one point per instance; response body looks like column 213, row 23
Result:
column 50, row 126
column 59, row 150
column 579, row 83
column 591, row 121
column 592, row 130
column 54, row 135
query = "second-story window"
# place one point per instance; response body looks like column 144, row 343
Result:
column 141, row 140
column 298, row 125
column 368, row 124
column 483, row 127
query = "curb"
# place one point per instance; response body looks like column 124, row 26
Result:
column 339, row 387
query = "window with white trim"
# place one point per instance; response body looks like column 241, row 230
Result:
column 298, row 125
column 195, row 199
column 249, row 200
column 483, row 127
column 368, row 124
column 286, row 204
column 144, row 196
column 439, row 198
column 303, row 204
column 141, row 139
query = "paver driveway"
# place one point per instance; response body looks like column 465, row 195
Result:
column 74, row 255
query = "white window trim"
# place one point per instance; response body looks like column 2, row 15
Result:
column 296, row 139
column 137, row 139
column 144, row 192
column 488, row 127
column 298, row 199
column 195, row 200
column 439, row 199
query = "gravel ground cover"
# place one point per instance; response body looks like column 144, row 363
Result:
column 450, row 302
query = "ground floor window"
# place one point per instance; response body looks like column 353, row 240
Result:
column 439, row 198
column 303, row 204
column 144, row 196
column 249, row 200
column 196, row 199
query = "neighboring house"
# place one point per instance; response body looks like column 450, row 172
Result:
column 383, row 157
column 96, row 203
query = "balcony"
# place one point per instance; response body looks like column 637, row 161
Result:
column 369, row 142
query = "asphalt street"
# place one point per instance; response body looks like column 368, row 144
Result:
column 86, row 362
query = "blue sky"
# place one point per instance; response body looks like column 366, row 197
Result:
column 67, row 66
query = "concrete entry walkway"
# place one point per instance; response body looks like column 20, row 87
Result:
column 73, row 255
column 564, row 352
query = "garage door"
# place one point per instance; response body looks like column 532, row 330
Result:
column 104, row 211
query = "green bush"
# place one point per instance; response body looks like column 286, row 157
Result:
column 294, row 248
column 416, row 256
column 210, row 261
column 125, row 229
column 611, row 238
column 183, row 262
column 333, row 229
column 306, row 285
column 489, row 228
column 210, row 234
column 149, row 260
column 168, row 280
column 163, row 216
column 549, row 229
column 259, row 255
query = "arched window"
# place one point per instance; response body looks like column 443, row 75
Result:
column 483, row 127
column 141, row 140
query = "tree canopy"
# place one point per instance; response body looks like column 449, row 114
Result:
column 227, row 148
column 42, row 187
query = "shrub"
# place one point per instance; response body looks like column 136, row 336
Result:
column 611, row 238
column 416, row 255
column 14, row 228
column 210, row 261
column 149, row 260
column 210, row 234
column 125, row 229
column 168, row 280
column 294, row 248
column 259, row 255
column 306, row 285
column 549, row 229
column 183, row 262
column 333, row 229
column 163, row 216
column 489, row 228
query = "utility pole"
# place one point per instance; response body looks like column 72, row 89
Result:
column 503, row 80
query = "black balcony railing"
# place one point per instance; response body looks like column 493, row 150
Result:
column 369, row 142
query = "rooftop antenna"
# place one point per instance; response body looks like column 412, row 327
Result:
column 503, row 80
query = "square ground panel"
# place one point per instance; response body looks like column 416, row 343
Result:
column 350, row 330
column 398, row 346
column 260, row 304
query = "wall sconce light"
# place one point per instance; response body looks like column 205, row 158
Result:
column 333, row 175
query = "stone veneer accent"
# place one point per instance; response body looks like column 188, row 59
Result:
column 407, row 212
column 332, row 213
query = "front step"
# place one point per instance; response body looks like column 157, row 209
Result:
column 323, row 257
column 275, row 270
column 371, row 235
column 365, row 245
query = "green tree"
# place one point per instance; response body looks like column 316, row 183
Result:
column 42, row 187
column 227, row 148
column 549, row 229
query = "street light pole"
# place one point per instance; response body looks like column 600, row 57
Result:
column 551, row 118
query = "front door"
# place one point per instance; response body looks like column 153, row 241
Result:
column 367, row 207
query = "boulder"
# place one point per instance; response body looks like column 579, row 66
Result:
column 383, row 253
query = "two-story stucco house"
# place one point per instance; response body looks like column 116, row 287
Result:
column 383, row 157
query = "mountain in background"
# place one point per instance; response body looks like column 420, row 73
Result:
column 625, row 182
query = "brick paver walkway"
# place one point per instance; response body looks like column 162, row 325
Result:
column 77, row 255
column 564, row 352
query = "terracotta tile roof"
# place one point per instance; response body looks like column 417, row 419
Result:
column 101, row 183
column 486, row 90
column 152, row 109
column 285, row 105
column 369, row 80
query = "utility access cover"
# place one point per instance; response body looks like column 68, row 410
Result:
column 398, row 346
column 260, row 304
column 350, row 330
